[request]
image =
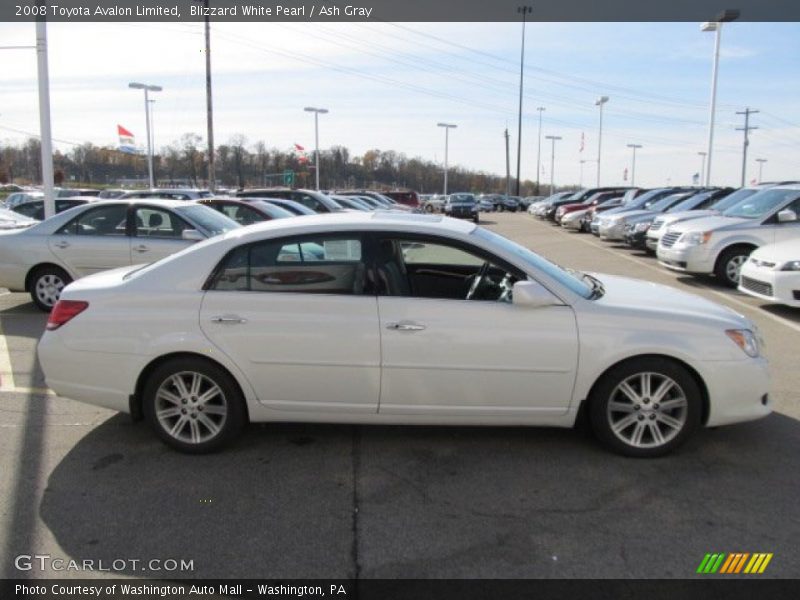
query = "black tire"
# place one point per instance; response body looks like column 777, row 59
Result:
column 476, row 219
column 429, row 208
column 46, row 284
column 192, row 409
column 729, row 264
column 674, row 423
column 502, row 208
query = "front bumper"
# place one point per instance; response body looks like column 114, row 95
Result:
column 692, row 259
column 782, row 287
column 612, row 232
column 635, row 239
column 737, row 390
column 651, row 240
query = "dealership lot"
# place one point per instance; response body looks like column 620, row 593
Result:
column 341, row 501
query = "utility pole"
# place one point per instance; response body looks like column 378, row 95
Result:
column 703, row 167
column 539, row 148
column 580, row 184
column 747, row 128
column 553, row 138
column 508, row 167
column 600, row 102
column 524, row 10
column 633, row 166
column 760, row 162
column 447, row 128
column 212, row 184
column 44, row 119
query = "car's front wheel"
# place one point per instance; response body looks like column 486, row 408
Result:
column 645, row 407
column 193, row 405
column 729, row 265
column 46, row 285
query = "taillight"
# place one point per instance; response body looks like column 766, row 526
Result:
column 64, row 311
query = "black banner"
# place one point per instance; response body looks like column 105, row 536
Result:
column 395, row 11
column 711, row 588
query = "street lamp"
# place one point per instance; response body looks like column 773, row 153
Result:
column 760, row 162
column 524, row 10
column 703, row 167
column 580, row 184
column 447, row 128
column 600, row 102
column 541, row 109
column 633, row 166
column 553, row 139
column 147, row 89
column 715, row 26
column 317, row 112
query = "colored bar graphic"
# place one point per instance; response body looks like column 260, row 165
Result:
column 703, row 563
column 741, row 562
column 734, row 563
column 728, row 563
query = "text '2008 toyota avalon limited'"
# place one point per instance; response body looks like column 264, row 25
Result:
column 405, row 319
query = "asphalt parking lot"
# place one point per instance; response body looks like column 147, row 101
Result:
column 295, row 500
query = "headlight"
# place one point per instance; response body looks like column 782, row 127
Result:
column 793, row 265
column 745, row 339
column 641, row 227
column 695, row 238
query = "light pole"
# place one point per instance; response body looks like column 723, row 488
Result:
column 580, row 184
column 553, row 139
column 317, row 112
column 633, row 166
column 524, row 10
column 600, row 102
column 715, row 26
column 447, row 128
column 153, row 126
column 147, row 89
column 760, row 162
column 541, row 109
column 703, row 167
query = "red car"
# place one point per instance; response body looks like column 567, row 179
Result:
column 407, row 197
column 595, row 200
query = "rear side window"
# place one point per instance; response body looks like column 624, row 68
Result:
column 314, row 265
column 101, row 220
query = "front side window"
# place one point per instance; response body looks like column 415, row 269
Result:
column 760, row 204
column 432, row 268
column 314, row 265
column 100, row 220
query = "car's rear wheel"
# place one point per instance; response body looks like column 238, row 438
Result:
column 193, row 405
column 729, row 265
column 429, row 208
column 645, row 407
column 46, row 285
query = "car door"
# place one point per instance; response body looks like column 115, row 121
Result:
column 298, row 318
column 444, row 355
column 93, row 241
column 157, row 233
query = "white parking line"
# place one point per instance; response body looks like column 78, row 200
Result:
column 6, row 372
column 750, row 307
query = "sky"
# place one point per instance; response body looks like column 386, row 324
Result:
column 388, row 85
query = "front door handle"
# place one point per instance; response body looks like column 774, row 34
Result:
column 141, row 248
column 228, row 319
column 61, row 245
column 405, row 326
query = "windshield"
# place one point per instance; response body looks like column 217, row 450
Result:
column 690, row 202
column 629, row 196
column 733, row 199
column 572, row 280
column 663, row 204
column 461, row 198
column 209, row 219
column 650, row 196
column 761, row 204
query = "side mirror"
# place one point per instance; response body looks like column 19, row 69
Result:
column 533, row 294
column 787, row 215
column 192, row 235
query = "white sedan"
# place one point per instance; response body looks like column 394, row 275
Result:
column 397, row 319
column 94, row 237
column 773, row 273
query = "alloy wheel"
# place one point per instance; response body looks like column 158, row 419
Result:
column 191, row 407
column 48, row 289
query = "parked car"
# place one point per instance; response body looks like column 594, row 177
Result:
column 580, row 219
column 484, row 204
column 772, row 273
column 537, row 208
column 663, row 222
column 21, row 197
column 630, row 203
column 293, row 207
column 35, row 209
column 10, row 220
column 94, row 237
column 586, row 204
column 316, row 201
column 722, row 244
column 74, row 192
column 526, row 201
column 462, row 206
column 501, row 202
column 612, row 229
column 246, row 213
column 204, row 347
column 110, row 193
column 434, row 203
column 579, row 197
column 352, row 202
column 384, row 202
column 168, row 194
column 408, row 198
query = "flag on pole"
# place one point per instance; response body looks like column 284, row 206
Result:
column 302, row 157
column 625, row 174
column 299, row 148
column 127, row 141
column 695, row 178
column 582, row 142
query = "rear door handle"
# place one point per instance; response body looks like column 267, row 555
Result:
column 405, row 326
column 141, row 248
column 61, row 245
column 228, row 319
